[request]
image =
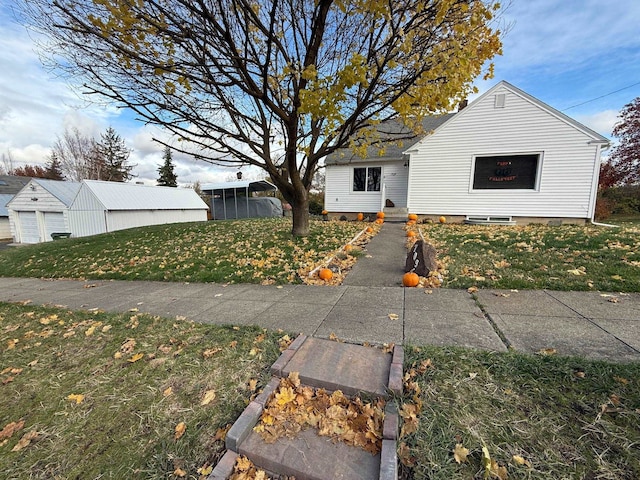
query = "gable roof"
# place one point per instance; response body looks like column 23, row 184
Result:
column 131, row 196
column 64, row 191
column 252, row 185
column 12, row 184
column 595, row 136
column 389, row 131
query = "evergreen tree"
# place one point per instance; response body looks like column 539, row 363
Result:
column 113, row 155
column 167, row 178
column 53, row 168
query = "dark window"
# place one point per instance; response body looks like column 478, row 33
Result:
column 367, row 179
column 506, row 172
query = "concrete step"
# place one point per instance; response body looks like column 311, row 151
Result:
column 333, row 366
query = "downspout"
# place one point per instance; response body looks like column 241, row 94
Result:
column 596, row 182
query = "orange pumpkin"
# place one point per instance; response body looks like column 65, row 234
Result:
column 360, row 217
column 324, row 212
column 412, row 216
column 380, row 215
column 442, row 219
column 369, row 230
column 411, row 222
column 379, row 221
column 325, row 274
column 348, row 247
column 410, row 279
column 411, row 233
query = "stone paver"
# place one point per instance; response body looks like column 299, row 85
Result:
column 524, row 302
column 340, row 366
column 357, row 325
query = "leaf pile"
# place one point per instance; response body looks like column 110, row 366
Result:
column 294, row 407
column 244, row 469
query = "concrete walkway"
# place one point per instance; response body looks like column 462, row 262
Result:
column 573, row 323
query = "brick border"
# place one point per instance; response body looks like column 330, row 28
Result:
column 224, row 468
column 283, row 359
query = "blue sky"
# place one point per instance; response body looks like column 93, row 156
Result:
column 564, row 52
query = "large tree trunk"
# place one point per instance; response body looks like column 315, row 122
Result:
column 300, row 211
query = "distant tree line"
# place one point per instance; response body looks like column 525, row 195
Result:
column 76, row 157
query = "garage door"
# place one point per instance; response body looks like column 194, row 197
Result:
column 53, row 222
column 28, row 227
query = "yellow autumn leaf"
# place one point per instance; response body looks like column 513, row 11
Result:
column 460, row 453
column 179, row 430
column 135, row 357
column 253, row 383
column 178, row 472
column 486, row 461
column 76, row 397
column 90, row 331
column 205, row 470
column 284, row 396
column 519, row 460
column 167, row 391
column 106, row 328
column 11, row 344
column 393, row 316
column 243, row 464
column 209, row 397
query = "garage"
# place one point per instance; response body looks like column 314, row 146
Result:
column 53, row 223
column 28, row 227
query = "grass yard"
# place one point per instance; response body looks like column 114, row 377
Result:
column 241, row 251
column 105, row 396
column 538, row 256
column 96, row 395
column 539, row 417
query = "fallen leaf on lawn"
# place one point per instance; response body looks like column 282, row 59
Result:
column 236, row 328
column 472, row 375
column 221, row 433
column 577, row 271
column 616, row 277
column 233, row 344
column 106, row 328
column 25, row 441
column 253, row 383
column 393, row 316
column 621, row 380
column 128, row 345
column 178, row 472
column 472, row 289
column 254, row 351
column 180, row 429
column 579, row 374
column 11, row 428
column 615, row 399
column 11, row 344
column 518, row 460
column 460, row 453
column 117, row 355
column 90, row 331
column 486, row 461
column 76, row 397
column 498, row 471
column 135, row 357
column 545, row 352
column 205, row 469
column 167, row 391
column 209, row 397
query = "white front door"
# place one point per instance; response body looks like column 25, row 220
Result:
column 396, row 180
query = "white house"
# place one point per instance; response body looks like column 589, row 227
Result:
column 506, row 157
column 90, row 207
column 9, row 186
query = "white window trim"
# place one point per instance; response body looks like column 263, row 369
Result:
column 366, row 192
column 536, row 188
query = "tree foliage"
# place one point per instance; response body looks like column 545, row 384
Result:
column 623, row 166
column 112, row 158
column 277, row 84
column 168, row 177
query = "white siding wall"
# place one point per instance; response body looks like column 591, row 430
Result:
column 119, row 220
column 23, row 202
column 5, row 228
column 87, row 215
column 339, row 196
column 441, row 168
column 395, row 177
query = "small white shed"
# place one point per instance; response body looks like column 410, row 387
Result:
column 91, row 207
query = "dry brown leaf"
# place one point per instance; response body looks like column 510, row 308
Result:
column 472, row 289
column 253, row 383
column 545, row 352
column 168, row 391
column 460, row 453
column 519, row 460
column 205, row 470
column 209, row 396
column 621, row 380
column 179, row 430
column 178, row 472
column 10, row 428
column 233, row 344
column 25, row 441
column 90, row 331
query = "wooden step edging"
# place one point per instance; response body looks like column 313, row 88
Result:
column 245, row 423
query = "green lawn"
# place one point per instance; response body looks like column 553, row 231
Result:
column 241, row 251
column 537, row 256
column 101, row 396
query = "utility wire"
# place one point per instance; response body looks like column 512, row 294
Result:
column 601, row 96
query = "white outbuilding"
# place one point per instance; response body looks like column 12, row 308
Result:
column 78, row 209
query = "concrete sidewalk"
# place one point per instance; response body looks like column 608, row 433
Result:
column 573, row 323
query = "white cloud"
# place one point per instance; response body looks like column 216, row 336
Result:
column 601, row 122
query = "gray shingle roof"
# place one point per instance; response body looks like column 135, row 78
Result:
column 11, row 184
column 395, row 139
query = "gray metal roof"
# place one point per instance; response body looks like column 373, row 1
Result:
column 4, row 199
column 130, row 196
column 252, row 185
column 12, row 183
column 64, row 191
column 395, row 139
